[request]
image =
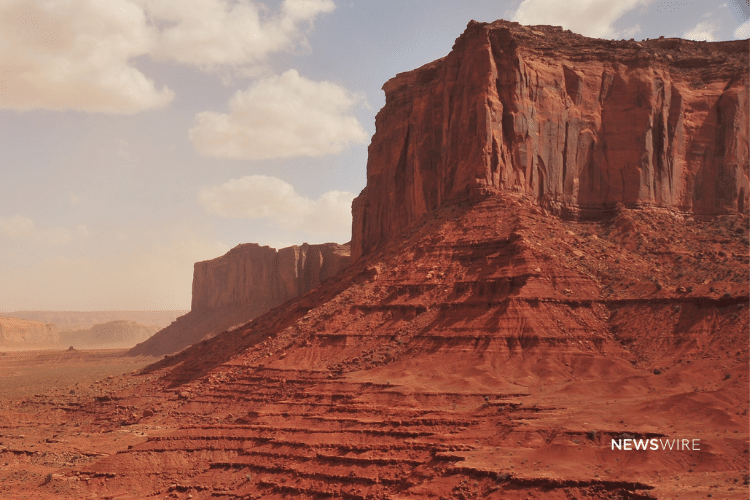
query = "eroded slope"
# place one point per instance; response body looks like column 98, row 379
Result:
column 494, row 352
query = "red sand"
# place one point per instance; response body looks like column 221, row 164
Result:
column 494, row 352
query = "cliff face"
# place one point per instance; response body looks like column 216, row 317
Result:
column 14, row 331
column 579, row 124
column 242, row 284
column 263, row 276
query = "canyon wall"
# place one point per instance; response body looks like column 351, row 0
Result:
column 244, row 283
column 579, row 124
column 263, row 276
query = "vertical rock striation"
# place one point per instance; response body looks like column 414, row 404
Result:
column 264, row 277
column 242, row 284
column 579, row 124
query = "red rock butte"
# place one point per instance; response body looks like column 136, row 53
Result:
column 578, row 124
column 551, row 254
column 242, row 284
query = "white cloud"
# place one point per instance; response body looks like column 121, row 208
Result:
column 82, row 230
column 743, row 30
column 280, row 117
column 702, row 32
column 61, row 55
column 16, row 225
column 20, row 227
column 211, row 33
column 257, row 196
column 74, row 200
column 631, row 32
column 65, row 54
column 594, row 18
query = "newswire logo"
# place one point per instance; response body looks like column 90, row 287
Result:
column 655, row 444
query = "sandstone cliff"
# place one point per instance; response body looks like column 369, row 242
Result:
column 242, row 284
column 579, row 124
column 19, row 333
column 263, row 276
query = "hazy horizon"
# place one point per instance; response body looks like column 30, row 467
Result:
column 141, row 136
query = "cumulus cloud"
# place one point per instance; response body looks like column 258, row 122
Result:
column 82, row 230
column 280, row 117
column 743, row 30
column 594, row 18
column 20, row 227
column 62, row 55
column 16, row 225
column 211, row 33
column 702, row 32
column 257, row 196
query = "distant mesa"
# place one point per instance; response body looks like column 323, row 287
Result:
column 126, row 333
column 16, row 332
column 82, row 320
column 242, row 284
column 22, row 330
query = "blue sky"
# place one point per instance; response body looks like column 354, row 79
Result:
column 140, row 136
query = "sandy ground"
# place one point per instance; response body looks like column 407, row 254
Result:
column 495, row 353
column 27, row 373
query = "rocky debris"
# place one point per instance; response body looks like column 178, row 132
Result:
column 483, row 359
column 578, row 124
column 244, row 283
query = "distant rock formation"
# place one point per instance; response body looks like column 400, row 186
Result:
column 24, row 333
column 578, row 123
column 83, row 320
column 263, row 277
column 243, row 283
column 125, row 333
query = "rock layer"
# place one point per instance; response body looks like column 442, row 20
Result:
column 493, row 352
column 243, row 283
column 577, row 123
